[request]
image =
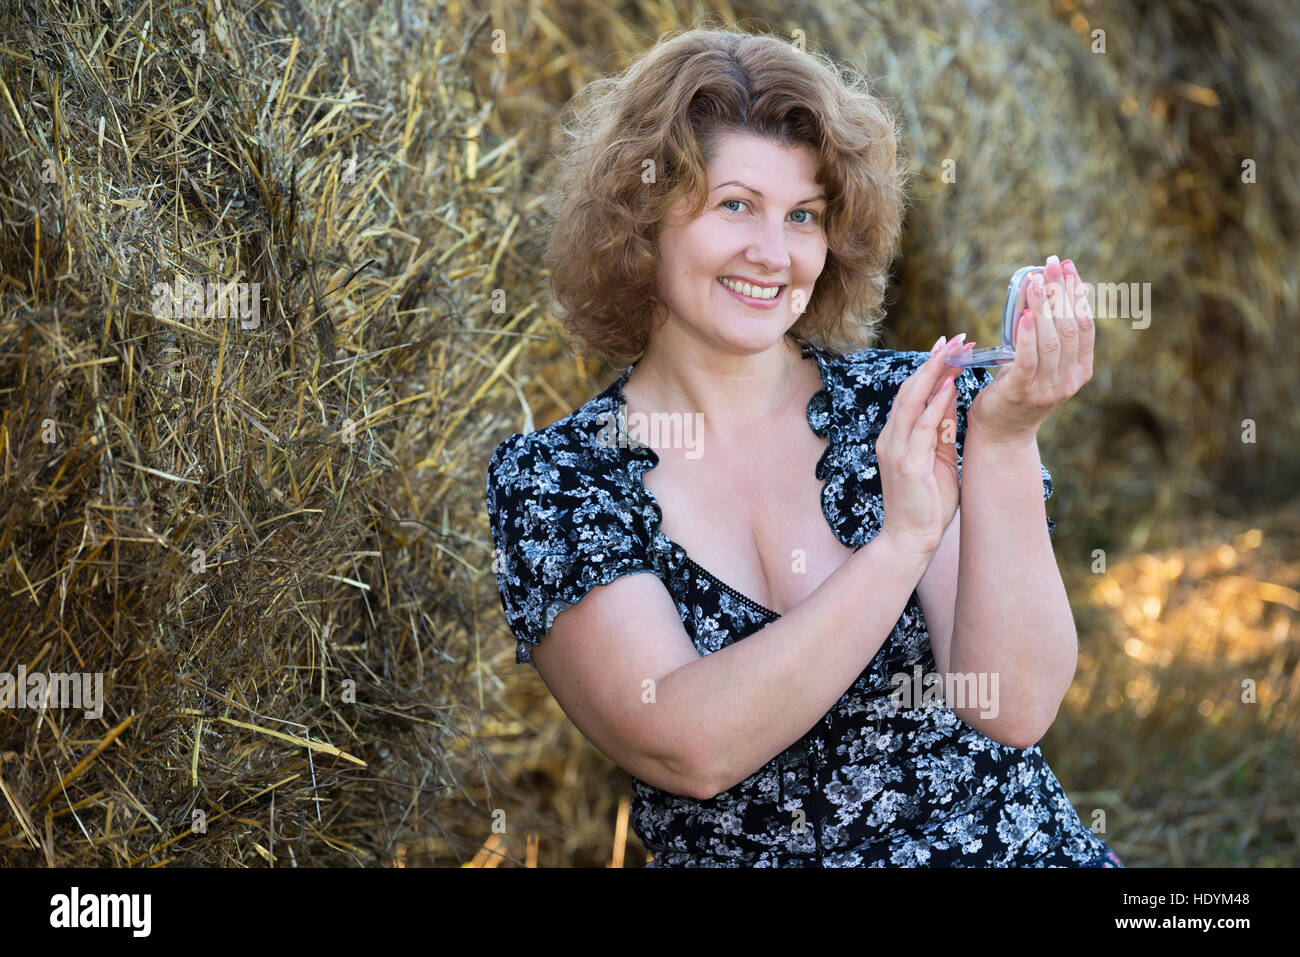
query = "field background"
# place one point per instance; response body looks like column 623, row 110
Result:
column 272, row 541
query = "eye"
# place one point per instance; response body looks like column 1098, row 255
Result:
column 813, row 215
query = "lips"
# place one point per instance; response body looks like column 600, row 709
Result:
column 753, row 303
column 731, row 282
column 741, row 281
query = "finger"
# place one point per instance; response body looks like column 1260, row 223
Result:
column 948, row 422
column 1069, row 277
column 1067, row 325
column 1049, row 344
column 924, row 437
column 952, row 372
column 1087, row 330
column 909, row 383
column 1070, row 291
column 1083, row 316
column 954, row 349
column 911, row 398
column 893, row 437
column 1075, row 287
column 947, row 445
column 1054, row 280
column 1021, row 372
column 1053, row 272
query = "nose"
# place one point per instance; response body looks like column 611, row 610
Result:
column 768, row 248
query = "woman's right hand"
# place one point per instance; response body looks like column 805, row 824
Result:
column 918, row 470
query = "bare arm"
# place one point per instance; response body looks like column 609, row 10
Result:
column 622, row 667
column 1013, row 616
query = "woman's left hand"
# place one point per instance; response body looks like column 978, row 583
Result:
column 1053, row 358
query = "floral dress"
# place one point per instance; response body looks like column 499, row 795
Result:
column 879, row 781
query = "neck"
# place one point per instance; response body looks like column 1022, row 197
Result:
column 737, row 393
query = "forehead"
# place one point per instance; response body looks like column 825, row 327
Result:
column 763, row 164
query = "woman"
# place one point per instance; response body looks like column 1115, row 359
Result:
column 727, row 211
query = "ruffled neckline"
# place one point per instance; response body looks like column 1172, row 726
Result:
column 819, row 413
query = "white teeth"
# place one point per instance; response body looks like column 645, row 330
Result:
column 754, row 292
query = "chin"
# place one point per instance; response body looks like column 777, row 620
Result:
column 753, row 335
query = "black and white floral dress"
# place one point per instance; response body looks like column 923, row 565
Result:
column 872, row 784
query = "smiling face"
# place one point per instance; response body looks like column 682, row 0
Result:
column 767, row 232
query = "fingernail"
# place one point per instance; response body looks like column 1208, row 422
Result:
column 955, row 344
column 938, row 344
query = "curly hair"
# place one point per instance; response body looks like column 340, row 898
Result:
column 644, row 141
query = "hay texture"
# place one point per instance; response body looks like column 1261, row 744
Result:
column 256, row 524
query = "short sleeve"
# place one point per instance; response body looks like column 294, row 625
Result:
column 969, row 384
column 560, row 527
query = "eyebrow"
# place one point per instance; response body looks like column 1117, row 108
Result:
column 733, row 182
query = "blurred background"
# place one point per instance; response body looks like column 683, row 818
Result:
column 272, row 540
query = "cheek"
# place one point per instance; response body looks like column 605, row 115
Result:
column 816, row 261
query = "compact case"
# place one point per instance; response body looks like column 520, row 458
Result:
column 1004, row 354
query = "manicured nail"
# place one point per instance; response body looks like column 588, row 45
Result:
column 938, row 344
